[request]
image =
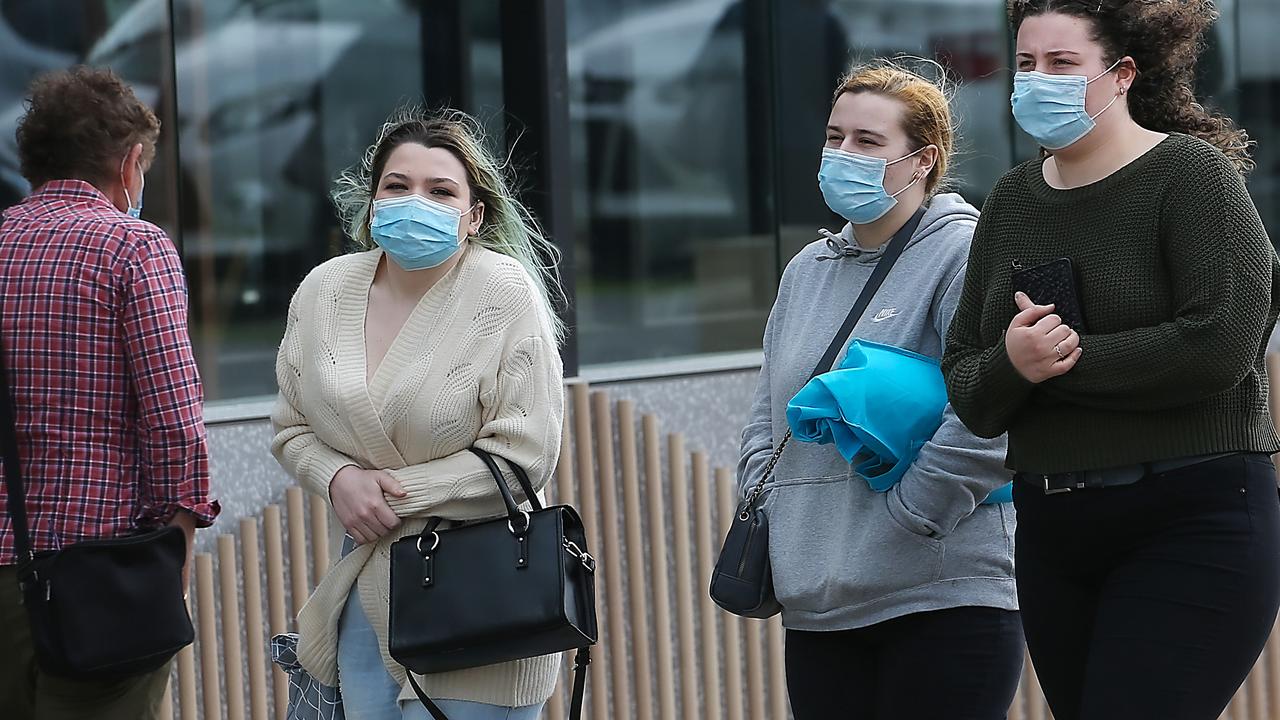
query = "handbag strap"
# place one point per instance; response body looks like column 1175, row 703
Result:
column 514, row 513
column 14, row 488
column 580, row 664
column 892, row 252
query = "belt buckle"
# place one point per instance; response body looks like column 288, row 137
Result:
column 1054, row 491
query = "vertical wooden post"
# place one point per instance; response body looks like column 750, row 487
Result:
column 276, row 621
column 166, row 703
column 611, row 539
column 208, row 634
column 231, row 652
column 707, row 539
column 684, row 552
column 188, row 706
column 779, row 706
column 599, row 688
column 729, row 495
column 255, row 635
column 299, row 589
column 659, row 573
column 1036, row 706
column 637, row 579
column 755, row 669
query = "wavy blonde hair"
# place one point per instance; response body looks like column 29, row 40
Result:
column 508, row 228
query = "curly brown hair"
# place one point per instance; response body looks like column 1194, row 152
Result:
column 79, row 124
column 1164, row 38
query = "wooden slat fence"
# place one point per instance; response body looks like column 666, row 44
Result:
column 655, row 515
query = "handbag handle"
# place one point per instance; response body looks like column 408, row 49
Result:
column 892, row 251
column 516, row 517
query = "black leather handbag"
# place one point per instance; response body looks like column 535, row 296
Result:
column 742, row 582
column 493, row 591
column 98, row 609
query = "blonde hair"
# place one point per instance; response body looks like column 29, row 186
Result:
column 508, row 228
column 927, row 119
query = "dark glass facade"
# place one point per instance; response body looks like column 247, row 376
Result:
column 670, row 146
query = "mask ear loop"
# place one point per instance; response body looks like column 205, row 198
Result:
column 915, row 178
column 1114, row 65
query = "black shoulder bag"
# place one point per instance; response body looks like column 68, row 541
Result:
column 742, row 581
column 493, row 591
column 99, row 609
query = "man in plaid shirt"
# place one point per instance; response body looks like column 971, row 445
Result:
column 93, row 319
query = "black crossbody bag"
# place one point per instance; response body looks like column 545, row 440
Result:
column 493, row 591
column 98, row 609
column 742, row 581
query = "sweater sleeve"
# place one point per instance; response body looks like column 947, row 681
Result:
column 1220, row 264
column 295, row 445
column 524, row 417
column 984, row 388
column 954, row 471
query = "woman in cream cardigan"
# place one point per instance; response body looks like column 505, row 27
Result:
column 397, row 359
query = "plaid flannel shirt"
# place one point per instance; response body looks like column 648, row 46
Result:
column 93, row 315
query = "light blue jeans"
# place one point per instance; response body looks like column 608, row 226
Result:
column 369, row 692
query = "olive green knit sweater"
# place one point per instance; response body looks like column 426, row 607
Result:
column 1179, row 286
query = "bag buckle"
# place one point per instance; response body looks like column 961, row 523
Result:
column 588, row 562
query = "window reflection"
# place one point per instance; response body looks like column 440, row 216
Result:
column 1258, row 93
column 273, row 100
column 695, row 132
column 667, row 263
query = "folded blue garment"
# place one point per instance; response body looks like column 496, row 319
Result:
column 878, row 408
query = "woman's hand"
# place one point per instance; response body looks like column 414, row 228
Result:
column 360, row 504
column 1039, row 345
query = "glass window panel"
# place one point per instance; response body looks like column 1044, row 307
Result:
column 967, row 36
column 131, row 37
column 667, row 261
column 1258, row 93
column 274, row 99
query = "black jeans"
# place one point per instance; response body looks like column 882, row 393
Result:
column 959, row 664
column 1150, row 600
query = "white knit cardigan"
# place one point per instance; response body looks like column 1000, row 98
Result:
column 476, row 363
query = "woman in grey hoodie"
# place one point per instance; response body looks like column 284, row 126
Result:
column 897, row 604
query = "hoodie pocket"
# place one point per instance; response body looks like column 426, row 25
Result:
column 833, row 545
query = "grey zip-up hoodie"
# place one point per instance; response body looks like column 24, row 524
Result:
column 844, row 556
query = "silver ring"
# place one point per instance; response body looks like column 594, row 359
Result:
column 435, row 543
column 522, row 530
column 1058, row 349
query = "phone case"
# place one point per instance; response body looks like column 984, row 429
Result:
column 1053, row 283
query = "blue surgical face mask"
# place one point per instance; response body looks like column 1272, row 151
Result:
column 1050, row 108
column 133, row 212
column 853, row 185
column 415, row 232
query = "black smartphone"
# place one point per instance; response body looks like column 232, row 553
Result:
column 1053, row 283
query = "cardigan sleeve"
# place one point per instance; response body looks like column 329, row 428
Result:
column 295, row 445
column 524, row 425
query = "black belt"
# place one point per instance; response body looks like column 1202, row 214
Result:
column 1054, row 483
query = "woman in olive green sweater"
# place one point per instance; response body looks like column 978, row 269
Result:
column 1148, row 522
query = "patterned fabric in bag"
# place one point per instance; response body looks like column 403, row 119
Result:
column 309, row 699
